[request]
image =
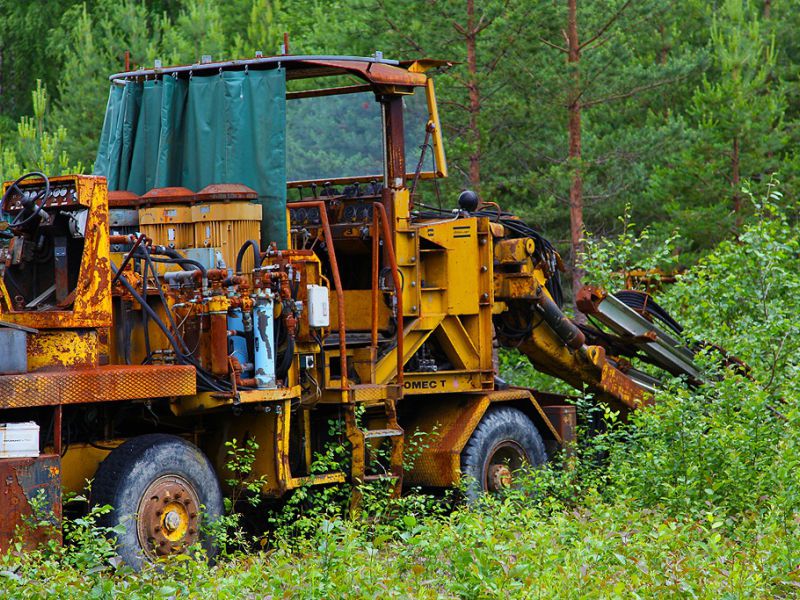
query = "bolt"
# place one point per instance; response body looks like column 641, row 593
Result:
column 484, row 268
column 172, row 520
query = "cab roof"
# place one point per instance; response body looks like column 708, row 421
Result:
column 374, row 69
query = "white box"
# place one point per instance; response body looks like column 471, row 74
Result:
column 318, row 306
column 19, row 440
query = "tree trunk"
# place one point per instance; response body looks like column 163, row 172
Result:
column 474, row 99
column 576, row 187
column 735, row 181
column 767, row 7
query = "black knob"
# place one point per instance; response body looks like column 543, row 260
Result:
column 468, row 200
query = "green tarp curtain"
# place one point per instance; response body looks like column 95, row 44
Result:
column 225, row 128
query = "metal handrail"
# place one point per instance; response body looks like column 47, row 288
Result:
column 380, row 211
column 337, row 282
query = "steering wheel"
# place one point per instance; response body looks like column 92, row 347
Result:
column 36, row 208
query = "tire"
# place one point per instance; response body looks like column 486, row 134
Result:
column 504, row 441
column 163, row 491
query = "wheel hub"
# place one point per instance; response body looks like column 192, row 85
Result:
column 499, row 478
column 504, row 459
column 168, row 520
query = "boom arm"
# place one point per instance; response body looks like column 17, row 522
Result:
column 530, row 320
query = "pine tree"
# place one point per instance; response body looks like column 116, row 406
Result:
column 733, row 129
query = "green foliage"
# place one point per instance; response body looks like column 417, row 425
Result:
column 37, row 145
column 608, row 261
column 243, row 481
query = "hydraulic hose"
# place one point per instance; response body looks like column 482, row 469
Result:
column 175, row 260
column 205, row 377
column 243, row 250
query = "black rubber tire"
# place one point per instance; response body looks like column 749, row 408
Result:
column 127, row 472
column 500, row 424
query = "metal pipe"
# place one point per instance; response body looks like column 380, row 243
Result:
column 375, row 248
column 219, row 343
column 128, row 257
column 58, row 417
column 559, row 322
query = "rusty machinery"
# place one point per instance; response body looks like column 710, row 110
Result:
column 155, row 328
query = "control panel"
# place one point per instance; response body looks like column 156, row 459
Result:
column 63, row 193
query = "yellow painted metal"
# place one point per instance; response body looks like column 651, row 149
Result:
column 168, row 225
column 447, row 297
column 443, row 382
column 514, row 251
column 358, row 311
column 105, row 383
column 80, row 461
column 92, row 306
column 206, row 401
column 448, row 424
column 65, row 348
column 260, row 426
column 227, row 226
column 175, row 533
column 438, row 143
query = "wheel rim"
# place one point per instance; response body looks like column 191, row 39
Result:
column 168, row 517
column 503, row 461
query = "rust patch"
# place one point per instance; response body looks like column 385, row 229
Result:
column 23, row 482
column 226, row 191
column 169, row 195
column 122, row 199
column 588, row 299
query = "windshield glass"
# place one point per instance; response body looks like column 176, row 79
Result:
column 329, row 137
column 333, row 136
column 415, row 119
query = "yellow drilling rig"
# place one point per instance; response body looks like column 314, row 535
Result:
column 252, row 260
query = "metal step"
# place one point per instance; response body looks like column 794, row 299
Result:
column 354, row 339
column 381, row 477
column 381, row 433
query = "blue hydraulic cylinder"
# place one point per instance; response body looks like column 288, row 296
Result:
column 238, row 341
column 264, row 341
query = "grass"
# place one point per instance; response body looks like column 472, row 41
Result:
column 506, row 548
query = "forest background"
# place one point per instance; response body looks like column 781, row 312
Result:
column 564, row 112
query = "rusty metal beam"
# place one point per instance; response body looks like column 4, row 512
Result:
column 99, row 384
